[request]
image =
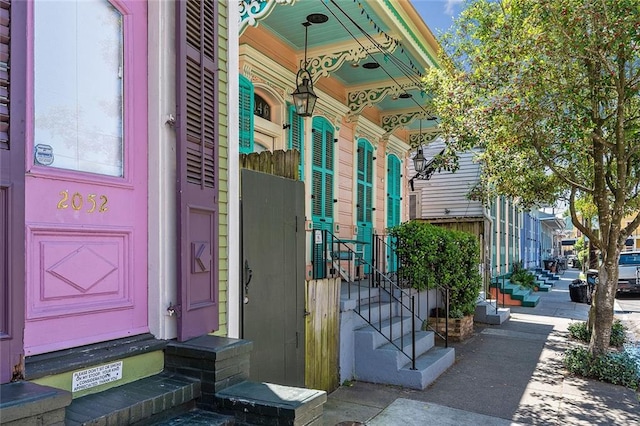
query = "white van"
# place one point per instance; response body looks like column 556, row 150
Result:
column 629, row 272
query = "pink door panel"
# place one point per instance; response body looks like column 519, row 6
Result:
column 86, row 182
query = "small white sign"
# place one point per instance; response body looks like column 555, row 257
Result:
column 96, row 376
column 318, row 236
column 43, row 154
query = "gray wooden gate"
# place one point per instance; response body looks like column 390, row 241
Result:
column 273, row 276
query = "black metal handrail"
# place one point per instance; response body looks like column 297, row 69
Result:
column 339, row 258
column 381, row 247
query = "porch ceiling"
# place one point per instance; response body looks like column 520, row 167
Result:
column 389, row 33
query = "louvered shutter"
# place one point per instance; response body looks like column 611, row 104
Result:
column 321, row 186
column 393, row 188
column 13, row 95
column 364, row 182
column 365, row 196
column 4, row 73
column 321, row 183
column 296, row 137
column 317, row 193
column 328, row 170
column 246, row 100
column 360, row 202
column 369, row 183
column 197, row 165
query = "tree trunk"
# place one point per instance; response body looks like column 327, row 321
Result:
column 593, row 256
column 602, row 306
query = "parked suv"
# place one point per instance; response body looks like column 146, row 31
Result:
column 629, row 272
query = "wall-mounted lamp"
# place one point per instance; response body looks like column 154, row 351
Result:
column 423, row 168
column 304, row 98
column 419, row 162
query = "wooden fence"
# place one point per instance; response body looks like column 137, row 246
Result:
column 279, row 163
column 322, row 334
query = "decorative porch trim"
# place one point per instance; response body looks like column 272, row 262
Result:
column 252, row 11
column 323, row 63
column 391, row 122
column 428, row 136
column 359, row 99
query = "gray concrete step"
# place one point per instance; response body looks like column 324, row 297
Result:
column 486, row 313
column 384, row 362
column 388, row 355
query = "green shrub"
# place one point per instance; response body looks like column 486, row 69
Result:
column 615, row 367
column 523, row 277
column 579, row 331
column 431, row 255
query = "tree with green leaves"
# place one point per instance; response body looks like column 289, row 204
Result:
column 549, row 91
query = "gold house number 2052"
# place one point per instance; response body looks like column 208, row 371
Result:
column 77, row 202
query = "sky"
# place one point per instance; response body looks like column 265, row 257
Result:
column 438, row 14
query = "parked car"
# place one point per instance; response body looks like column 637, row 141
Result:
column 629, row 272
column 572, row 261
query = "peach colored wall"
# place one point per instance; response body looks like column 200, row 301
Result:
column 273, row 48
column 345, row 183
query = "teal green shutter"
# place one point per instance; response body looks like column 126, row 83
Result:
column 393, row 196
column 364, row 196
column 296, row 136
column 321, row 182
column 394, row 177
column 246, row 115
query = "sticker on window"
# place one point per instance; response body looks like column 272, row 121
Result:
column 44, row 154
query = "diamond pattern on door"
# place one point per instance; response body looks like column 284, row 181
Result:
column 71, row 269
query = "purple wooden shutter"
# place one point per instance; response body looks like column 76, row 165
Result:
column 13, row 24
column 197, row 166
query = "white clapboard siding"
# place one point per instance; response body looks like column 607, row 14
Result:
column 444, row 195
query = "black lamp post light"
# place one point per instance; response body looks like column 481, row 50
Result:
column 424, row 168
column 304, row 98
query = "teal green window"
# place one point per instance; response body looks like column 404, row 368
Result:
column 296, row 136
column 394, row 176
column 322, row 151
column 364, row 202
column 246, row 107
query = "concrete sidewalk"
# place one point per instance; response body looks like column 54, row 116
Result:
column 503, row 375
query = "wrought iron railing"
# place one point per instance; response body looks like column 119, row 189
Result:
column 367, row 278
column 385, row 255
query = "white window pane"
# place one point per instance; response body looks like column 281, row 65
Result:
column 78, row 75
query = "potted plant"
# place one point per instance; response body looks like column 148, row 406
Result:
column 436, row 257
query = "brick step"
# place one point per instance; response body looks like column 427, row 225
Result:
column 270, row 404
column 26, row 403
column 135, row 401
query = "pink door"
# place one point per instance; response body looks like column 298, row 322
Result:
column 86, row 174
